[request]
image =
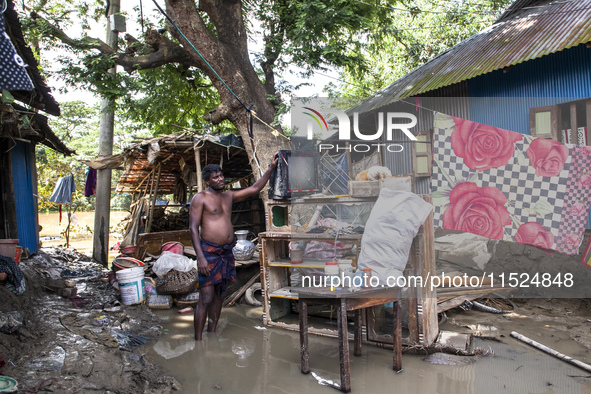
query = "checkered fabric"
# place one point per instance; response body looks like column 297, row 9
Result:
column 572, row 227
column 517, row 180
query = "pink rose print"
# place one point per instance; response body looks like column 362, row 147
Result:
column 477, row 210
column 584, row 180
column 481, row 146
column 578, row 209
column 584, row 150
column 572, row 241
column 547, row 156
column 535, row 234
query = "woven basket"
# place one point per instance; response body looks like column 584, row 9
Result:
column 175, row 282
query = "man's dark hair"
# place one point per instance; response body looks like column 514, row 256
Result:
column 208, row 170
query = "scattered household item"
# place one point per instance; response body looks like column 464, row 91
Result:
column 244, row 249
column 374, row 173
column 175, row 282
column 10, row 321
column 160, row 302
column 15, row 281
column 8, row 247
column 124, row 262
column 249, row 295
column 8, row 385
column 131, row 285
column 18, row 254
column 128, row 250
column 296, row 253
column 171, row 261
column 185, row 310
column 150, row 286
column 191, row 299
column 173, row 247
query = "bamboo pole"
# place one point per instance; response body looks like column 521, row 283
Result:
column 552, row 352
column 154, row 196
column 198, row 168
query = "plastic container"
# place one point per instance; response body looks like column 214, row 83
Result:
column 131, row 285
column 296, row 254
column 366, row 277
column 160, row 302
column 331, row 269
column 18, row 254
column 8, row 247
column 345, row 267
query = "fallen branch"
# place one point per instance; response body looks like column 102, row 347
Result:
column 552, row 352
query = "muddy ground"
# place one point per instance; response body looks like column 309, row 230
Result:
column 89, row 343
column 78, row 344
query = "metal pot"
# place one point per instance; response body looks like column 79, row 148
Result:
column 244, row 249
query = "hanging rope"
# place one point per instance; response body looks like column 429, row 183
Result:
column 249, row 108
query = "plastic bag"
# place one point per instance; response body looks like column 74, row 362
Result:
column 393, row 223
column 172, row 261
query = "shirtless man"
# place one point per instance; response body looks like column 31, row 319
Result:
column 211, row 209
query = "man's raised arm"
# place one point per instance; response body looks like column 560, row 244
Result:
column 258, row 185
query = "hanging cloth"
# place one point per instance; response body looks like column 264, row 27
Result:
column 62, row 193
column 13, row 75
column 90, row 187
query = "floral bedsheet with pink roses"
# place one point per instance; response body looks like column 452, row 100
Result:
column 505, row 185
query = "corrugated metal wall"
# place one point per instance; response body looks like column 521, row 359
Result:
column 503, row 99
column 23, row 167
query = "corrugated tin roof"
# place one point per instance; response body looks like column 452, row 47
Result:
column 532, row 30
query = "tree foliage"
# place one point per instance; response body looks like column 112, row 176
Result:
column 78, row 128
column 421, row 30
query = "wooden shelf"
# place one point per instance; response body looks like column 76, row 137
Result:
column 326, row 200
column 310, row 236
column 307, row 263
column 288, row 293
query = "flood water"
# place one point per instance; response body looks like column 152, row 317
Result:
column 245, row 357
column 52, row 232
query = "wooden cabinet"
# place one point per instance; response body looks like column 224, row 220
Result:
column 278, row 275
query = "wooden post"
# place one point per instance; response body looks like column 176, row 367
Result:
column 198, row 169
column 304, row 355
column 357, row 341
column 344, row 347
column 397, row 336
column 154, row 193
column 574, row 134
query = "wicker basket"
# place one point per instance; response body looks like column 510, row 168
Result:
column 175, row 282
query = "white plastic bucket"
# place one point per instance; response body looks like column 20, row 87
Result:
column 131, row 285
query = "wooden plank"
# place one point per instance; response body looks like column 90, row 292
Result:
column 152, row 242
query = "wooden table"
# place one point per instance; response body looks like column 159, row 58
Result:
column 349, row 299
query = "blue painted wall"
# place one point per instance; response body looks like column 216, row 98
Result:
column 504, row 99
column 553, row 79
column 23, row 170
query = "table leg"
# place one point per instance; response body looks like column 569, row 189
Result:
column 357, row 341
column 344, row 348
column 304, row 355
column 397, row 337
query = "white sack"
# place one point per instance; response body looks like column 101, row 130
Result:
column 393, row 223
column 172, row 261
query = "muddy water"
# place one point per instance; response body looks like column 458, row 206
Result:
column 245, row 357
column 80, row 233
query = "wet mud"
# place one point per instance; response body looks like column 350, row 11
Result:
column 87, row 343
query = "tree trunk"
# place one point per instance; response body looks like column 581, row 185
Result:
column 227, row 54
